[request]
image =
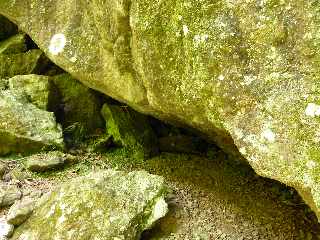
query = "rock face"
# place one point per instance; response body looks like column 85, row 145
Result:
column 24, row 127
column 21, row 63
column 243, row 72
column 79, row 107
column 8, row 195
column 130, row 129
column 12, row 45
column 20, row 211
column 35, row 87
column 103, row 205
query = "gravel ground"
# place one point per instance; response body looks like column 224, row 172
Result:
column 211, row 198
column 216, row 200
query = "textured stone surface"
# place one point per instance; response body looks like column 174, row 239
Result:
column 24, row 127
column 35, row 87
column 130, row 129
column 14, row 44
column 6, row 229
column 79, row 107
column 102, row 205
column 21, row 63
column 20, row 211
column 244, row 72
column 45, row 161
column 9, row 194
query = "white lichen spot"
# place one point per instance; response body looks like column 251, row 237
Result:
column 61, row 219
column 307, row 180
column 180, row 17
column 248, row 79
column 159, row 210
column 221, row 77
column 239, row 133
column 57, row 44
column 73, row 59
column 198, row 39
column 185, row 30
column 243, row 151
column 268, row 135
column 312, row 110
column 311, row 164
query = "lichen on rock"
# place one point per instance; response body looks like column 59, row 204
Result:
column 24, row 127
column 103, row 205
column 245, row 73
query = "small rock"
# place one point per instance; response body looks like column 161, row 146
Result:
column 45, row 161
column 24, row 127
column 9, row 194
column 20, row 211
column 6, row 229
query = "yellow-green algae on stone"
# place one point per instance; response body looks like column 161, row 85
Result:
column 25, row 128
column 103, row 205
column 243, row 72
column 130, row 129
column 80, row 106
column 35, row 87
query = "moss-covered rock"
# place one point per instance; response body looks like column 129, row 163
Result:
column 9, row 194
column 35, row 87
column 130, row 129
column 103, row 205
column 79, row 107
column 24, row 127
column 244, row 72
column 21, row 63
column 13, row 45
column 46, row 161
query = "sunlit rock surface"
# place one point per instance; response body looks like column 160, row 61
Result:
column 240, row 71
column 103, row 205
column 25, row 128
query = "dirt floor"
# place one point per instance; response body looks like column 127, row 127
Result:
column 212, row 198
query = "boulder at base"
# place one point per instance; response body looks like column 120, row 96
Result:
column 245, row 72
column 103, row 205
column 24, row 127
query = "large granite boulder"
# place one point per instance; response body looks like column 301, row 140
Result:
column 103, row 205
column 25, row 128
column 246, row 73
